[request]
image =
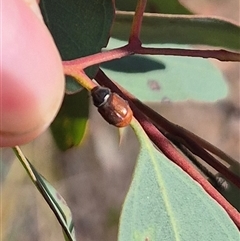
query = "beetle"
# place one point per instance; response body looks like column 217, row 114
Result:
column 113, row 108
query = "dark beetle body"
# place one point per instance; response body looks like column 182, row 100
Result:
column 113, row 108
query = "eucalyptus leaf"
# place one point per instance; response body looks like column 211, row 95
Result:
column 51, row 196
column 69, row 126
column 57, row 203
column 164, row 203
column 79, row 28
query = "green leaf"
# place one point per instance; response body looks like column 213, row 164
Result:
column 180, row 30
column 163, row 6
column 51, row 196
column 164, row 203
column 59, row 205
column 78, row 27
column 166, row 78
column 69, row 126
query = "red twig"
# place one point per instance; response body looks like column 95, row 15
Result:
column 134, row 48
column 222, row 55
column 186, row 139
column 208, row 146
column 137, row 22
column 84, row 62
column 168, row 149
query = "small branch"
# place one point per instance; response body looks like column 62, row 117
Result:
column 190, row 143
column 178, row 131
column 208, row 174
column 169, row 151
column 208, row 146
column 137, row 22
column 98, row 58
column 222, row 55
column 133, row 48
column 162, row 143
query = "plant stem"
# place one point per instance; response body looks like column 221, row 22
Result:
column 77, row 65
column 169, row 151
column 137, row 22
column 191, row 141
column 222, row 55
column 90, row 60
column 184, row 135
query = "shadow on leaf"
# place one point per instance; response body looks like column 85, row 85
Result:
column 134, row 64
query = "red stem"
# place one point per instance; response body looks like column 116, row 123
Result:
column 185, row 136
column 222, row 55
column 84, row 62
column 137, row 22
column 135, row 48
column 169, row 151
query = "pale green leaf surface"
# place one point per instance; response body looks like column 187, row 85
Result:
column 164, row 203
column 172, row 78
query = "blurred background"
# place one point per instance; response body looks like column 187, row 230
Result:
column 94, row 177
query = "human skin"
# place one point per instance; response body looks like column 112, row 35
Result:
column 31, row 74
